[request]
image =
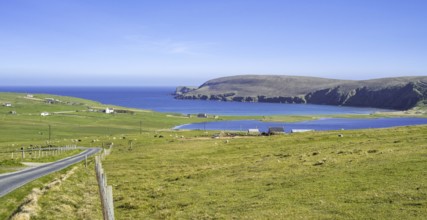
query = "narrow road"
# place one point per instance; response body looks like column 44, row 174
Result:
column 12, row 181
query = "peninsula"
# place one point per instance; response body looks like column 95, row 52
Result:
column 400, row 93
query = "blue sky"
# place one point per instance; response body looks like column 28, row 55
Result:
column 185, row 42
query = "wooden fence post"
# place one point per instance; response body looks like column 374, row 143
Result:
column 105, row 192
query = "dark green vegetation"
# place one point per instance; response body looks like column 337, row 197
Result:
column 393, row 93
column 157, row 173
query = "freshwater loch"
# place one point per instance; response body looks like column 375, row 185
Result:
column 316, row 125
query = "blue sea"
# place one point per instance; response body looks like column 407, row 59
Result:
column 160, row 99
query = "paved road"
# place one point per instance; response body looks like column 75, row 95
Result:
column 12, row 181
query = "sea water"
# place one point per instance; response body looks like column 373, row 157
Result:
column 160, row 99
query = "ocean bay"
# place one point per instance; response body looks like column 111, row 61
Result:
column 160, row 99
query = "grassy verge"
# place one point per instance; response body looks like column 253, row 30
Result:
column 10, row 165
column 11, row 201
column 76, row 198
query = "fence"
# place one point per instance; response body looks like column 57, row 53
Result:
column 36, row 152
column 105, row 192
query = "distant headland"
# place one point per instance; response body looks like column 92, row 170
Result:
column 400, row 93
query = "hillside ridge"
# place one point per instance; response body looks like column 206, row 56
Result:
column 399, row 93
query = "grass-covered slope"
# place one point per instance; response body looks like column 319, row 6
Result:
column 366, row 174
column 393, row 93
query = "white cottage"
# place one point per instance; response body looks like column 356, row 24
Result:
column 44, row 113
column 109, row 110
column 253, row 131
column 301, row 130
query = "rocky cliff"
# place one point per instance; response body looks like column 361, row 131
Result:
column 392, row 93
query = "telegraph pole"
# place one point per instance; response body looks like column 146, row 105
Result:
column 49, row 134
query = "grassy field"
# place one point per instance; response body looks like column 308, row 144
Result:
column 71, row 122
column 365, row 174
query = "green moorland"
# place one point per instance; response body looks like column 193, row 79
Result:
column 361, row 174
column 72, row 121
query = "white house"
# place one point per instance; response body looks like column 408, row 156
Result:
column 109, row 110
column 44, row 114
column 8, row 104
column 301, row 130
column 253, row 131
column 30, row 96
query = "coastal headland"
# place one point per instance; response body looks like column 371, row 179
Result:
column 399, row 93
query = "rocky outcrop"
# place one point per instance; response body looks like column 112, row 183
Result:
column 184, row 89
column 392, row 93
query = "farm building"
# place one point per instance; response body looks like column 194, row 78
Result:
column 276, row 130
column 301, row 130
column 124, row 111
column 202, row 115
column 50, row 100
column 7, row 104
column 44, row 113
column 253, row 131
column 109, row 110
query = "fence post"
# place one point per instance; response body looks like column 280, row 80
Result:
column 110, row 200
column 105, row 192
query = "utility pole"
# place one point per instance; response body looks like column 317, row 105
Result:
column 49, row 134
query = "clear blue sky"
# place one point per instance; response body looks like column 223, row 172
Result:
column 186, row 42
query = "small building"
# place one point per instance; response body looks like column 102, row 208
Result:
column 7, row 104
column 301, row 130
column 44, row 113
column 253, row 131
column 12, row 112
column 30, row 96
column 202, row 115
column 276, row 130
column 123, row 111
column 49, row 100
column 188, row 115
column 109, row 110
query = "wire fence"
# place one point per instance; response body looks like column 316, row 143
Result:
column 105, row 191
column 35, row 152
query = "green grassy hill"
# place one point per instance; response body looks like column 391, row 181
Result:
column 394, row 93
column 365, row 174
